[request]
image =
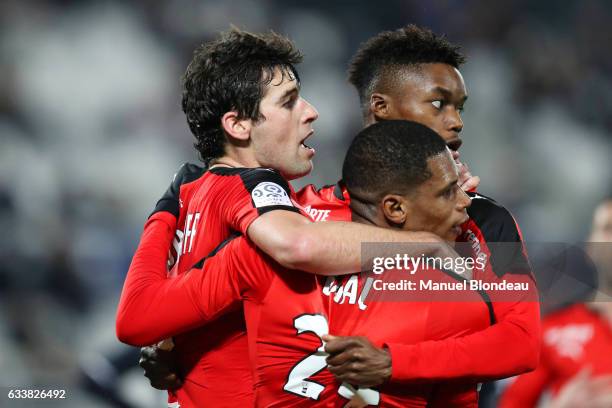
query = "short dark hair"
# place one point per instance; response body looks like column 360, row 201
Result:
column 390, row 157
column 390, row 51
column 231, row 73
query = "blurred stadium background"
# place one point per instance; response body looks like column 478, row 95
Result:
column 91, row 132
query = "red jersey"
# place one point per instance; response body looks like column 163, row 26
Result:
column 285, row 318
column 408, row 363
column 513, row 342
column 573, row 338
column 356, row 310
column 219, row 203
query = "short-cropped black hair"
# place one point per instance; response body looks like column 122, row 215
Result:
column 231, row 74
column 389, row 51
column 390, row 157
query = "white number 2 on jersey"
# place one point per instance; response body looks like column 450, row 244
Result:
column 297, row 380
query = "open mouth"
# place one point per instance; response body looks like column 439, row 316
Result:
column 303, row 144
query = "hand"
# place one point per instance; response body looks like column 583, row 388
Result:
column 584, row 391
column 160, row 367
column 467, row 181
column 357, row 361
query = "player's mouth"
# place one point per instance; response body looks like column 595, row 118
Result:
column 457, row 227
column 454, row 144
column 305, row 146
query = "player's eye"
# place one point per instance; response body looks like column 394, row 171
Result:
column 437, row 103
column 461, row 109
column 450, row 192
column 290, row 103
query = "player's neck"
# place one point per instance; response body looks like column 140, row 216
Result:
column 235, row 160
column 369, row 119
column 363, row 213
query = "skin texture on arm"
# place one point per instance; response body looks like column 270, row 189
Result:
column 332, row 248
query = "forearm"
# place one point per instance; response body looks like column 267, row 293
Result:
column 153, row 307
column 335, row 248
column 507, row 348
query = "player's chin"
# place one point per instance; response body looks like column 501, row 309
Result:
column 300, row 169
column 452, row 234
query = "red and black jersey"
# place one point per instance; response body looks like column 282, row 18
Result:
column 360, row 305
column 448, row 358
column 226, row 201
column 517, row 319
column 329, row 203
column 212, row 207
column 572, row 339
column 285, row 319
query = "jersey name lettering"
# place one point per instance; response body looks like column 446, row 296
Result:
column 190, row 231
column 348, row 291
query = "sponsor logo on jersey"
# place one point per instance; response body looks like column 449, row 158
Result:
column 317, row 215
column 267, row 193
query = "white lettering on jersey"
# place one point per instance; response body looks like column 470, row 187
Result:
column 174, row 254
column 190, row 231
column 477, row 247
column 348, row 291
column 569, row 340
column 317, row 215
column 266, row 194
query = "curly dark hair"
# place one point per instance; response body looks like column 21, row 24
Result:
column 385, row 54
column 231, row 73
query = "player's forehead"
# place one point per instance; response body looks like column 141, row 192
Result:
column 279, row 81
column 431, row 78
column 443, row 169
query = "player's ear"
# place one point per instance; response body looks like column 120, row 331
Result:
column 395, row 209
column 236, row 128
column 380, row 105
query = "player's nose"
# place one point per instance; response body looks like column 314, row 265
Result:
column 310, row 112
column 454, row 122
column 464, row 201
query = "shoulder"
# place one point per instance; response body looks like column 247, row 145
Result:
column 495, row 221
column 260, row 179
column 249, row 176
column 328, row 203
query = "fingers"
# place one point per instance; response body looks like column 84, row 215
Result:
column 159, row 369
column 471, row 184
column 467, row 181
column 338, row 344
column 340, row 359
column 168, row 382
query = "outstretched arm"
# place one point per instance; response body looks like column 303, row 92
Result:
column 333, row 248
